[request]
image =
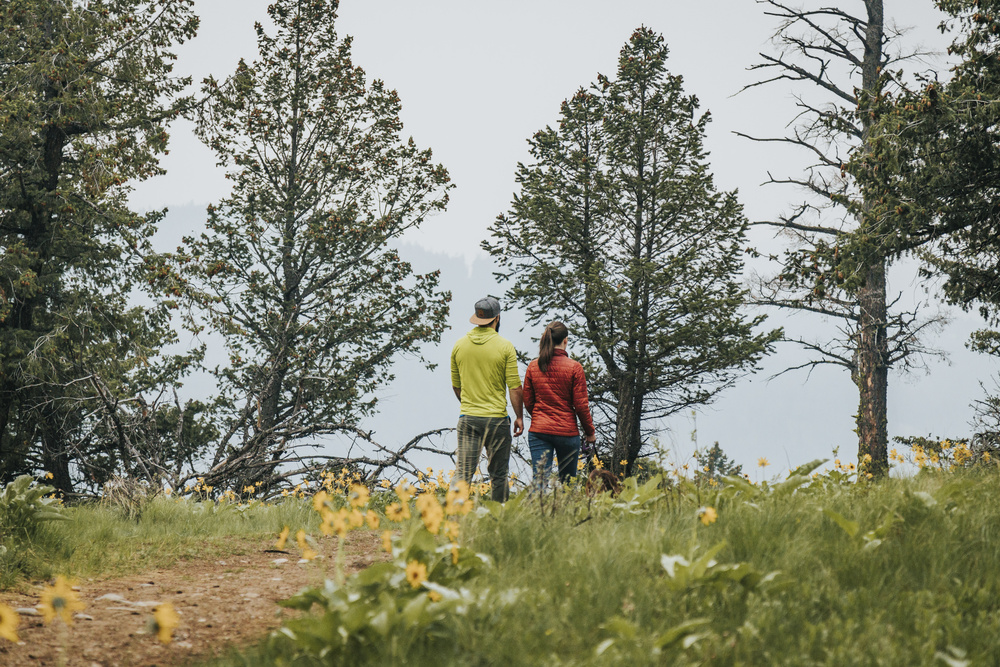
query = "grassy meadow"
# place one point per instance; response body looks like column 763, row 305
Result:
column 813, row 569
column 104, row 539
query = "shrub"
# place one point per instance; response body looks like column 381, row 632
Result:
column 24, row 505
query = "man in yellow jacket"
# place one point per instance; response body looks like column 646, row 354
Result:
column 483, row 371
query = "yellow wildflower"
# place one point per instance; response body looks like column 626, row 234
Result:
column 457, row 499
column 397, row 512
column 355, row 518
column 707, row 515
column 60, row 600
column 340, row 523
column 451, row 530
column 308, row 553
column 763, row 462
column 319, row 501
column 432, row 518
column 166, row 620
column 9, row 620
column 434, row 596
column 358, row 496
column 49, row 475
column 454, row 554
column 430, row 511
column 282, row 538
column 385, row 484
column 405, row 491
column 387, row 541
column 416, row 573
column 373, row 520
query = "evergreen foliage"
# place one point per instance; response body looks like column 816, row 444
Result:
column 296, row 268
column 837, row 265
column 713, row 464
column 619, row 231
column 86, row 95
column 935, row 164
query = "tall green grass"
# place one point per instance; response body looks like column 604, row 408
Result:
column 902, row 572
column 99, row 539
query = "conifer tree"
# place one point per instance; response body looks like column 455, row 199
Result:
column 619, row 231
column 86, row 95
column 933, row 168
column 836, row 266
column 297, row 268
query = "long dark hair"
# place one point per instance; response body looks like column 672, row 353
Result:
column 554, row 334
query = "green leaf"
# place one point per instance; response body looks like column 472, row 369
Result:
column 679, row 632
column 848, row 526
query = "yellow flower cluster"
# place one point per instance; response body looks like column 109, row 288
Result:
column 165, row 621
column 343, row 520
column 199, row 487
column 707, row 515
column 9, row 620
column 844, row 467
column 61, row 600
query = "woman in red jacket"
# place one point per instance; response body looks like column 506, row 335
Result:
column 555, row 395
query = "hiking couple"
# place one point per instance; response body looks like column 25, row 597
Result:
column 484, row 371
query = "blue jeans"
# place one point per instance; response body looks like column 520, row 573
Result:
column 543, row 446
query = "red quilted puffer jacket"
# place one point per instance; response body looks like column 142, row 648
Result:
column 557, row 397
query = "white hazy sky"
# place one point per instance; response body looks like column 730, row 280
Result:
column 477, row 79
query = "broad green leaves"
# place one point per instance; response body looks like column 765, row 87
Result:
column 24, row 505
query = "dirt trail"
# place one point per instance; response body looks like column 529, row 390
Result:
column 221, row 602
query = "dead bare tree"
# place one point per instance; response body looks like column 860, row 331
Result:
column 845, row 59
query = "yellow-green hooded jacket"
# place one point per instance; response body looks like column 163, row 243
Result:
column 483, row 366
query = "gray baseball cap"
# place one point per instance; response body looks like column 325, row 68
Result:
column 487, row 310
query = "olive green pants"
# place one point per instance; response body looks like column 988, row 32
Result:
column 493, row 435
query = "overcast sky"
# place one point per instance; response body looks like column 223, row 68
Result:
column 477, row 79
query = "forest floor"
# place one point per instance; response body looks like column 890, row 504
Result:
column 222, row 602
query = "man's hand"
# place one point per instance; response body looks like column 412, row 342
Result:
column 458, row 393
column 590, row 439
column 517, row 402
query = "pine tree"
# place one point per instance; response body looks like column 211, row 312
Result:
column 619, row 231
column 86, row 95
column 297, row 268
column 713, row 464
column 837, row 266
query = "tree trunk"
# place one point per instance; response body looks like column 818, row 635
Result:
column 55, row 455
column 872, row 373
column 626, row 428
column 872, row 352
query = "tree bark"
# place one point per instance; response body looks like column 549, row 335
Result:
column 871, row 372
